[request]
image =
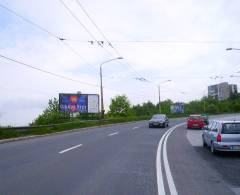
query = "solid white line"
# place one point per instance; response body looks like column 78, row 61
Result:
column 160, row 184
column 135, row 128
column 171, row 184
column 111, row 134
column 63, row 151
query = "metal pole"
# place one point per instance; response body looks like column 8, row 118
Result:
column 101, row 89
column 159, row 100
column 101, row 85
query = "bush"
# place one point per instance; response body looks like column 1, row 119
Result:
column 52, row 115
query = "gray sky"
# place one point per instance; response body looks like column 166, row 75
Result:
column 187, row 44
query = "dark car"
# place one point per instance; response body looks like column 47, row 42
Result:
column 159, row 120
column 205, row 119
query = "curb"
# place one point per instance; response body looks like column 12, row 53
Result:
column 62, row 132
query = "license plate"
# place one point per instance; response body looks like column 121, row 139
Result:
column 155, row 123
column 236, row 147
column 195, row 125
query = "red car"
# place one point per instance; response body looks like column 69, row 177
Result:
column 195, row 122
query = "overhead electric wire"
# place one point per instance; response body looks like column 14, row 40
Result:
column 61, row 39
column 157, row 41
column 105, row 37
column 47, row 72
column 30, row 22
column 60, row 76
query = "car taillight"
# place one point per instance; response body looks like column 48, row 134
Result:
column 219, row 138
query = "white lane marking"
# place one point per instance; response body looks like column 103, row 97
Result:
column 66, row 150
column 171, row 184
column 135, row 128
column 111, row 134
column 160, row 184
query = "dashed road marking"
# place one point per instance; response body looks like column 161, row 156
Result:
column 68, row 149
column 111, row 134
column 135, row 128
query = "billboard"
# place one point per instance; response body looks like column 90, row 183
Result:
column 177, row 108
column 82, row 103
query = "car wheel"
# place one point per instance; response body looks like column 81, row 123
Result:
column 213, row 150
column 204, row 143
column 164, row 125
column 150, row 126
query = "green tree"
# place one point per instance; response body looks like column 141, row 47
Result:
column 120, row 106
column 212, row 109
column 51, row 114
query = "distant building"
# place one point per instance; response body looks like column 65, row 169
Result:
column 233, row 89
column 222, row 91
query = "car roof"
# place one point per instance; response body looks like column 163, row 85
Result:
column 192, row 115
column 159, row 115
column 222, row 121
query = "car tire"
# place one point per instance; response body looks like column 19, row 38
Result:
column 164, row 125
column 150, row 126
column 204, row 143
column 213, row 150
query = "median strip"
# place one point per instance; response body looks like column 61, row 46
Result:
column 68, row 149
column 111, row 134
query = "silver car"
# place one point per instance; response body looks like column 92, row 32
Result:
column 159, row 120
column 222, row 136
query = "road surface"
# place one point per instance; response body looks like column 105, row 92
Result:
column 124, row 159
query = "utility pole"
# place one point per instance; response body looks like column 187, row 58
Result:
column 101, row 89
column 101, row 85
column 159, row 100
column 159, row 97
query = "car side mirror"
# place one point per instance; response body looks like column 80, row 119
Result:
column 206, row 128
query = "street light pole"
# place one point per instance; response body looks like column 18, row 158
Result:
column 101, row 85
column 159, row 93
column 159, row 99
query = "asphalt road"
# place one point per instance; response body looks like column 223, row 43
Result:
column 120, row 159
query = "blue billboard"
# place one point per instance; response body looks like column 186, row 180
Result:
column 177, row 108
column 73, row 103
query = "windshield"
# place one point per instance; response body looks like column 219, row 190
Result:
column 231, row 128
column 158, row 117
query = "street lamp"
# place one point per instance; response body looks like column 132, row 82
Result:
column 101, row 86
column 159, row 99
column 230, row 48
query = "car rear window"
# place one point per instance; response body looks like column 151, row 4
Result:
column 195, row 118
column 231, row 128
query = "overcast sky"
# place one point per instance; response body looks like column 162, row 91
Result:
column 184, row 41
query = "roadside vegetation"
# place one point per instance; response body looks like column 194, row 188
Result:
column 120, row 110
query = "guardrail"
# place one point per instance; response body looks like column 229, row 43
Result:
column 51, row 125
